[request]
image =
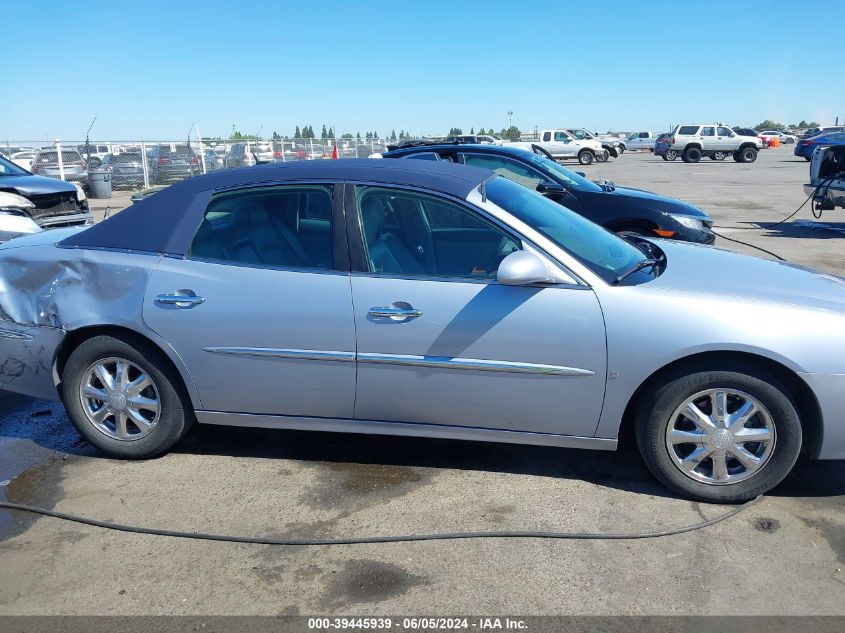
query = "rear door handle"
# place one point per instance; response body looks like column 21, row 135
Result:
column 180, row 300
column 395, row 313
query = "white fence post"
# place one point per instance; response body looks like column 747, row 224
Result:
column 144, row 165
column 61, row 162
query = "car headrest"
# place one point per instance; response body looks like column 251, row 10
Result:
column 372, row 217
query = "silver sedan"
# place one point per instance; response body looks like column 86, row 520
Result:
column 424, row 299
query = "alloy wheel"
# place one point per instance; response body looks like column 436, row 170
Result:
column 720, row 436
column 120, row 399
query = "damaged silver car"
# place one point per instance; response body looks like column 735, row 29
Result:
column 424, row 299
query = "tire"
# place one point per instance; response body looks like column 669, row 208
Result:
column 691, row 155
column 634, row 230
column 586, row 157
column 614, row 152
column 621, row 149
column 789, row 141
column 664, row 157
column 747, row 155
column 671, row 154
column 718, row 156
column 659, row 418
column 602, row 156
column 165, row 426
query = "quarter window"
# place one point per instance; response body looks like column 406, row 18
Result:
column 268, row 226
column 415, row 234
column 688, row 130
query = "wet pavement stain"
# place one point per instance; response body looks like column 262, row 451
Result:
column 830, row 531
column 369, row 581
column 341, row 485
column 767, row 525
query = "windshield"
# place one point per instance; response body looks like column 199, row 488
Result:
column 8, row 168
column 600, row 250
column 569, row 177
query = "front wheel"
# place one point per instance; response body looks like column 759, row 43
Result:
column 719, row 436
column 585, row 157
column 692, row 155
column 602, row 156
column 124, row 397
column 746, row 155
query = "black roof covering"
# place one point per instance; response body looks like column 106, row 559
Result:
column 149, row 224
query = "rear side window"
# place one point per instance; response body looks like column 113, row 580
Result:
column 424, row 156
column 708, row 131
column 286, row 227
column 510, row 169
column 688, row 130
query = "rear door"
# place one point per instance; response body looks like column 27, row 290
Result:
column 708, row 138
column 441, row 342
column 260, row 309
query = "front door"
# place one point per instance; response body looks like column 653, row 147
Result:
column 440, row 341
column 259, row 310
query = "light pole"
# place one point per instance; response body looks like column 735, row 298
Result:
column 510, row 123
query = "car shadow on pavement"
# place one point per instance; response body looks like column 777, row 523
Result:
column 46, row 425
column 812, row 228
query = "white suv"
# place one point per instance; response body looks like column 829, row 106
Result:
column 715, row 141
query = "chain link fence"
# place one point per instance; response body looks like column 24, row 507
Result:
column 142, row 164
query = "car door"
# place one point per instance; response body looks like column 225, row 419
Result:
column 259, row 309
column 441, row 342
column 724, row 138
column 563, row 145
column 708, row 138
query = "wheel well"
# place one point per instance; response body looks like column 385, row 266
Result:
column 75, row 338
column 746, row 146
column 691, row 145
column 805, row 401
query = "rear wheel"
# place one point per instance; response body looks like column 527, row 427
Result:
column 621, row 149
column 718, row 156
column 671, row 154
column 585, row 157
column 692, row 155
column 719, row 436
column 602, row 156
column 124, row 397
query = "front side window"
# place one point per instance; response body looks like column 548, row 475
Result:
column 283, row 227
column 723, row 131
column 561, row 136
column 510, row 169
column 410, row 233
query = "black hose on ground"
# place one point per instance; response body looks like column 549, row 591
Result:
column 361, row 540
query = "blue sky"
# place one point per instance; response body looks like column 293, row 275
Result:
column 150, row 68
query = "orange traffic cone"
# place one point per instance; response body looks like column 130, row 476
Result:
column 334, row 153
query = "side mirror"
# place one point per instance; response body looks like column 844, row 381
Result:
column 523, row 268
column 733, row 134
column 551, row 189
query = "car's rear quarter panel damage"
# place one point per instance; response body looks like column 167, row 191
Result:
column 46, row 291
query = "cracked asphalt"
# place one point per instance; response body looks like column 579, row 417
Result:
column 784, row 555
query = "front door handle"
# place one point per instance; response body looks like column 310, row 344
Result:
column 180, row 300
column 395, row 313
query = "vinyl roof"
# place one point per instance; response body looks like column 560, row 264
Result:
column 149, row 224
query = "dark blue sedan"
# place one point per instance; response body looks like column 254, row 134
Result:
column 623, row 210
column 807, row 146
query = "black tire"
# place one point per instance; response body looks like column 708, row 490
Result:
column 691, row 155
column 747, row 155
column 621, row 149
column 175, row 415
column 789, row 141
column 602, row 156
column 665, row 157
column 655, row 413
column 671, row 154
column 585, row 157
column 718, row 156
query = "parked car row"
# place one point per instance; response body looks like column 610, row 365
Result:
column 715, row 141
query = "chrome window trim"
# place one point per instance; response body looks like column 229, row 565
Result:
column 473, row 364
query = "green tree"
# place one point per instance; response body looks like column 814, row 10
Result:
column 276, row 136
column 472, row 130
column 346, row 135
column 769, row 125
column 330, row 133
column 455, row 131
column 812, row 124
column 358, row 136
column 802, row 124
column 375, row 135
column 393, row 135
column 297, row 133
column 511, row 134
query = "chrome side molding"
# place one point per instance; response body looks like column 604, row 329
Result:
column 436, row 362
column 296, row 354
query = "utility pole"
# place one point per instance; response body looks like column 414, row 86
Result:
column 510, row 123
